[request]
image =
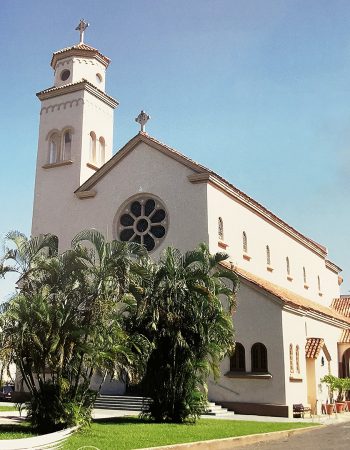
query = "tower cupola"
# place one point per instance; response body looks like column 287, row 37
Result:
column 80, row 62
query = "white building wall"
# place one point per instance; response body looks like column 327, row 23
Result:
column 296, row 330
column 260, row 233
column 80, row 68
column 97, row 118
column 258, row 319
column 331, row 335
column 144, row 170
column 54, row 186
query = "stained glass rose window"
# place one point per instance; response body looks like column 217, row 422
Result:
column 143, row 220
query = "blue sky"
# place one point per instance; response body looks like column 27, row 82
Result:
column 259, row 91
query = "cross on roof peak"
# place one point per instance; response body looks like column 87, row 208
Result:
column 142, row 119
column 81, row 28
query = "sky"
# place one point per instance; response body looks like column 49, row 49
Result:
column 259, row 91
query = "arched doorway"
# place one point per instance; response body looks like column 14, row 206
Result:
column 346, row 364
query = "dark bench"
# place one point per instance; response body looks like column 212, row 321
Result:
column 299, row 410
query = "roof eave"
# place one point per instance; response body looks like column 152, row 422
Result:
column 74, row 87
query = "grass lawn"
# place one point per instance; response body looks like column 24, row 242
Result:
column 130, row 433
column 17, row 431
column 8, row 408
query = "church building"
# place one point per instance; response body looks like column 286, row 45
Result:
column 292, row 326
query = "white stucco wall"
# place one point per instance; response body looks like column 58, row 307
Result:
column 143, row 170
column 80, row 68
column 296, row 330
column 82, row 113
column 258, row 319
column 260, row 233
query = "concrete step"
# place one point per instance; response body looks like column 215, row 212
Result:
column 121, row 402
column 217, row 411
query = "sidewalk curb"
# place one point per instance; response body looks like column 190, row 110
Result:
column 228, row 443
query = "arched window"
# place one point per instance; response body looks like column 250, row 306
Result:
column 102, row 145
column 297, row 359
column 221, row 229
column 319, row 283
column 54, row 148
column 291, row 359
column 67, row 145
column 245, row 242
column 268, row 256
column 259, row 358
column 288, row 266
column 92, row 147
column 237, row 360
column 304, row 275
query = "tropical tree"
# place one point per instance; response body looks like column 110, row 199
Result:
column 183, row 306
column 67, row 322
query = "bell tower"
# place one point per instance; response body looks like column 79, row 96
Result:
column 75, row 131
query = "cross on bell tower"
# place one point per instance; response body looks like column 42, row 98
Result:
column 81, row 28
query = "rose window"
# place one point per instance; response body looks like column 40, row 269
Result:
column 144, row 221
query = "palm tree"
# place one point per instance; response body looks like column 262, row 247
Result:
column 186, row 306
column 67, row 321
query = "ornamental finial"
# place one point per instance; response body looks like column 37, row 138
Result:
column 142, row 119
column 81, row 28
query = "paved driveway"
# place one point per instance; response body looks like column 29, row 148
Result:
column 335, row 437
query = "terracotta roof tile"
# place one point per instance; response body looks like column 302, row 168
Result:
column 313, row 347
column 342, row 305
column 290, row 298
column 81, row 49
column 345, row 336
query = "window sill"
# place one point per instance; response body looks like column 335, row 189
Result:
column 222, row 244
column 289, row 278
column 249, row 375
column 295, row 378
column 57, row 164
column 306, row 286
column 320, row 294
column 92, row 166
column 246, row 257
column 269, row 268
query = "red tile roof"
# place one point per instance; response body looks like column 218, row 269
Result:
column 313, row 347
column 79, row 50
column 290, row 298
column 345, row 336
column 77, row 85
column 342, row 305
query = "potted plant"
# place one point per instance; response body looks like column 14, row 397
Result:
column 346, row 388
column 340, row 386
column 330, row 382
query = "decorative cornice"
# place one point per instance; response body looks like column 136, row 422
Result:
column 75, row 87
column 333, row 267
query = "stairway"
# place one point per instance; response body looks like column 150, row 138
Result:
column 217, row 411
column 121, row 402
column 131, row 403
